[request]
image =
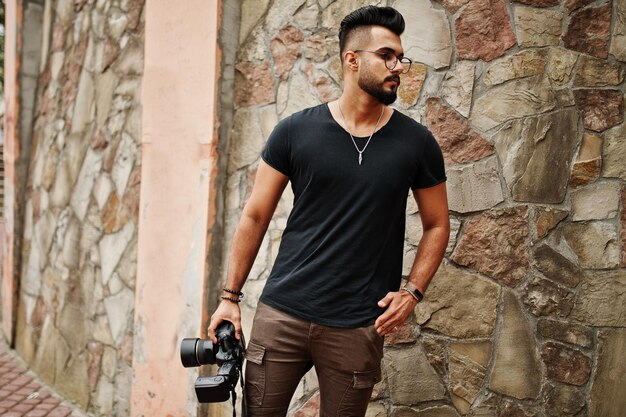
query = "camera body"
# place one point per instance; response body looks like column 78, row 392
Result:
column 227, row 353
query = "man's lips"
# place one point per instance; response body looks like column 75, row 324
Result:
column 395, row 79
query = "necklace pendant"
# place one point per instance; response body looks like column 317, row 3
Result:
column 360, row 158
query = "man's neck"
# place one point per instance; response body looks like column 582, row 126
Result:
column 360, row 108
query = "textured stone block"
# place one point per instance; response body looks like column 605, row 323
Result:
column 474, row 187
column 618, row 37
column 514, row 100
column 596, row 202
column 254, row 84
column 410, row 377
column 459, row 304
column 563, row 400
column 526, row 63
column 561, row 66
column 586, row 168
column 458, row 142
column 547, row 218
column 601, row 109
column 285, row 48
column 483, row 30
column 606, row 398
column 468, row 365
column 427, row 39
column 555, row 266
column 536, row 154
column 457, row 86
column 565, row 332
column 495, row 243
column 588, row 31
column 412, row 83
column 565, row 364
column 614, row 153
column 594, row 72
column 622, row 233
column 537, row 27
column 544, row 298
column 516, row 370
column 595, row 243
column 601, row 300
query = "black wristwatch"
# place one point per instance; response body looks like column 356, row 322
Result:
column 417, row 294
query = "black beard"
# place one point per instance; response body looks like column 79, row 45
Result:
column 377, row 90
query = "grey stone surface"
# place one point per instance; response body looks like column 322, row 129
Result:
column 618, row 35
column 123, row 164
column 595, row 243
column 427, row 39
column 536, row 155
column 459, row 304
column 564, row 400
column 82, row 190
column 516, row 370
column 601, row 300
column 410, row 377
column 457, row 86
column 596, row 202
column 606, row 397
column 474, row 187
column 544, row 298
column 555, row 266
column 468, row 366
column 527, row 63
column 537, row 27
column 513, row 100
column 594, row 72
column 614, row 152
column 565, row 332
column 112, row 247
column 119, row 308
column 248, row 139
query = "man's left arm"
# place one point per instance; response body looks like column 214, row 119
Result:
column 433, row 209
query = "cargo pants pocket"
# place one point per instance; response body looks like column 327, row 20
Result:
column 357, row 395
column 255, row 374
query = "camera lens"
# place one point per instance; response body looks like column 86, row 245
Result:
column 196, row 352
column 188, row 352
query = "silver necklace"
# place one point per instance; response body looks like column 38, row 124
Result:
column 360, row 151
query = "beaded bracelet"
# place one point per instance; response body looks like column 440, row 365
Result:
column 237, row 293
column 231, row 299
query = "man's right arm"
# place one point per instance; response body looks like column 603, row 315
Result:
column 269, row 185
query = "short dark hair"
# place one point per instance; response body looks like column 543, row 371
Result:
column 387, row 17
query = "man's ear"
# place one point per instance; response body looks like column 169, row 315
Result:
column 350, row 59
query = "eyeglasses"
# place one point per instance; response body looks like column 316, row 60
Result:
column 391, row 60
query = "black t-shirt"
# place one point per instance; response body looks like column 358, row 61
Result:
column 342, row 248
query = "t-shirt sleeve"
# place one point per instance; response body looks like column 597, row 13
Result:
column 276, row 152
column 431, row 170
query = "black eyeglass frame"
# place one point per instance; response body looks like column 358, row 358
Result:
column 404, row 60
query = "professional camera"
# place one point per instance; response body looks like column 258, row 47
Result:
column 227, row 354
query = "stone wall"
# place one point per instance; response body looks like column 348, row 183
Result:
column 527, row 314
column 79, row 244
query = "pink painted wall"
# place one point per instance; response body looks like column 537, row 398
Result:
column 13, row 19
column 178, row 165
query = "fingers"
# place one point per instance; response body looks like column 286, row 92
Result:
column 227, row 310
column 211, row 329
column 395, row 315
column 386, row 300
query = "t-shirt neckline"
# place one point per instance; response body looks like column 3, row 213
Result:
column 330, row 114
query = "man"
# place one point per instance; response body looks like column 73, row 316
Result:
column 334, row 290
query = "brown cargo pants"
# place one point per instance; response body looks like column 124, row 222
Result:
column 283, row 348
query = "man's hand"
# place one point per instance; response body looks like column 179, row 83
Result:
column 399, row 306
column 227, row 310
